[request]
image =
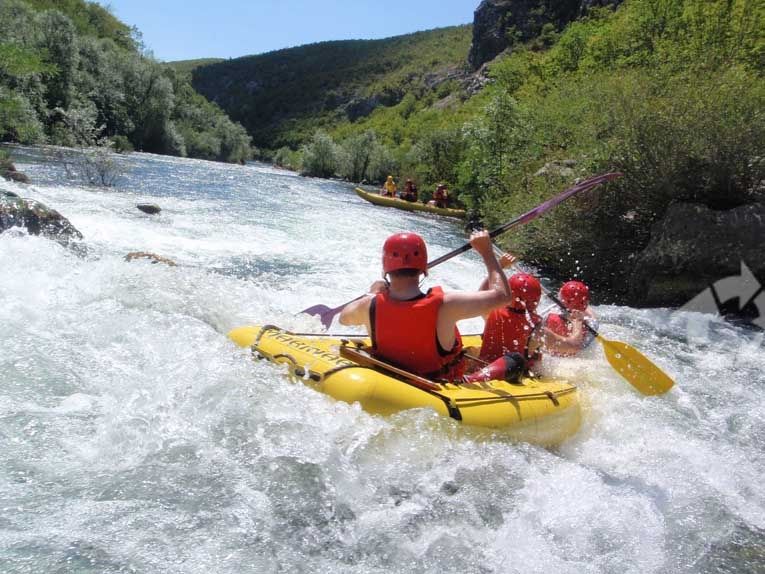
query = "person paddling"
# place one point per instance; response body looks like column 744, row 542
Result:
column 410, row 191
column 389, row 187
column 440, row 196
column 512, row 339
column 418, row 331
column 566, row 333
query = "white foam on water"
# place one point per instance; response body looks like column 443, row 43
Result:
column 134, row 437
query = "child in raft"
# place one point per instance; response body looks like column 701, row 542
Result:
column 515, row 335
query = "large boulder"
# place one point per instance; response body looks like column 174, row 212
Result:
column 9, row 172
column 36, row 218
column 693, row 247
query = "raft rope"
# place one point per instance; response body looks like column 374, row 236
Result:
column 450, row 403
column 297, row 370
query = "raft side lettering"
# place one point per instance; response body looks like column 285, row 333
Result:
column 306, row 348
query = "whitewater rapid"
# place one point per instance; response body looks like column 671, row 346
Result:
column 134, row 437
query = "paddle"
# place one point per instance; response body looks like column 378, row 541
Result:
column 327, row 314
column 637, row 369
column 366, row 360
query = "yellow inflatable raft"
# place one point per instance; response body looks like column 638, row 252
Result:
column 543, row 412
column 385, row 201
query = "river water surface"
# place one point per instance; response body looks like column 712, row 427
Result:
column 134, row 437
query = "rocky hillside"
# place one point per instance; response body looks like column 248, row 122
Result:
column 501, row 24
column 281, row 97
column 536, row 93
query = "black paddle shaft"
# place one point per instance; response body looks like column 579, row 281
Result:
column 327, row 314
column 533, row 214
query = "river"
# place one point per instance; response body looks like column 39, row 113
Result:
column 134, row 437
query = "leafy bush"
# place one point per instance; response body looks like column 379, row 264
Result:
column 62, row 59
column 320, row 156
column 287, row 158
column 18, row 119
column 121, row 144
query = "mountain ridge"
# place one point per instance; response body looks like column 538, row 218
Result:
column 319, row 84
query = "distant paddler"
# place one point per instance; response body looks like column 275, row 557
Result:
column 566, row 332
column 410, row 191
column 440, row 196
column 389, row 187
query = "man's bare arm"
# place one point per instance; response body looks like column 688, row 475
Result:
column 357, row 312
column 458, row 306
column 506, row 260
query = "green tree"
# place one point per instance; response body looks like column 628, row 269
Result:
column 57, row 37
column 320, row 156
column 496, row 144
column 357, row 155
column 437, row 155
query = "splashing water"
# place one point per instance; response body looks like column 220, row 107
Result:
column 134, row 437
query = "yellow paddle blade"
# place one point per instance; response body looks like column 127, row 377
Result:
column 636, row 368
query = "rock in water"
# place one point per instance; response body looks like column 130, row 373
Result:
column 37, row 219
column 150, row 208
column 9, row 172
column 152, row 256
column 693, row 247
column 17, row 176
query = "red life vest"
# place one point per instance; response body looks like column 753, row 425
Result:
column 508, row 331
column 404, row 333
column 560, row 326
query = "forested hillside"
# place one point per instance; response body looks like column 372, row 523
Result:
column 72, row 74
column 670, row 92
column 281, row 97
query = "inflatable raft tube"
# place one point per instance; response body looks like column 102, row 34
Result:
column 543, row 412
column 385, row 201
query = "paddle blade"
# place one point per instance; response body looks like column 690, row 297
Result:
column 636, row 368
column 324, row 313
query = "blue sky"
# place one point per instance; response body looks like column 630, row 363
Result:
column 186, row 29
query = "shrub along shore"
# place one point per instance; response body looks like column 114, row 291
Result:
column 71, row 74
column 669, row 93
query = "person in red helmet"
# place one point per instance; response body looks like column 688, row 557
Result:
column 440, row 196
column 566, row 333
column 511, row 340
column 410, row 191
column 418, row 331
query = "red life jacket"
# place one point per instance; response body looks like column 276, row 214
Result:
column 509, row 331
column 560, row 326
column 404, row 333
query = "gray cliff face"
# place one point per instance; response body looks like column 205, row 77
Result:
column 496, row 21
column 694, row 246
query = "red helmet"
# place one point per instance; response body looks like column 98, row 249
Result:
column 526, row 291
column 575, row 295
column 405, row 251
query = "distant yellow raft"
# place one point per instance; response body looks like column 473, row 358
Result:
column 385, row 201
column 543, row 412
